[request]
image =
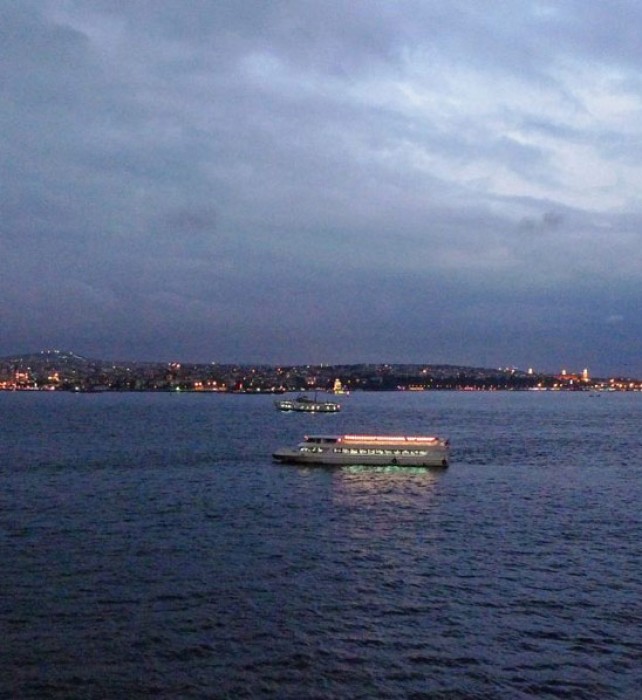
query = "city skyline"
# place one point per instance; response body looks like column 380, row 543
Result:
column 56, row 370
column 300, row 182
column 60, row 359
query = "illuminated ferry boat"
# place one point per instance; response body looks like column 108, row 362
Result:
column 307, row 405
column 378, row 450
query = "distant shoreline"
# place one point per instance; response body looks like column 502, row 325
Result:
column 54, row 370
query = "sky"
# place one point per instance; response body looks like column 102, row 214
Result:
column 341, row 181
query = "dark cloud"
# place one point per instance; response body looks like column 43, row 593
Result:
column 304, row 181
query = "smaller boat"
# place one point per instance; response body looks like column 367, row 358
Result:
column 369, row 450
column 307, row 405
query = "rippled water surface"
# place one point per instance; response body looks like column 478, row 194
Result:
column 150, row 548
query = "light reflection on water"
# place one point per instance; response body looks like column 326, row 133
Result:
column 389, row 469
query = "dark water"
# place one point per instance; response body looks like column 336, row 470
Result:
column 150, row 548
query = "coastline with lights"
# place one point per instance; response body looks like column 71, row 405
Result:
column 56, row 370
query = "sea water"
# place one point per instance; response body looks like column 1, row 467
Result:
column 149, row 547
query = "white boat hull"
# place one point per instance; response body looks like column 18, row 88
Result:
column 309, row 408
column 304, row 405
column 437, row 457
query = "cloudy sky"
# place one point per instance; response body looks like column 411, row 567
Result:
column 323, row 181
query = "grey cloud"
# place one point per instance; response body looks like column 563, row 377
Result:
column 357, row 179
column 549, row 221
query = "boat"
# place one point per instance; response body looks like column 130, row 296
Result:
column 307, row 405
column 376, row 450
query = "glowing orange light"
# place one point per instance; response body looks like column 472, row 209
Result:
column 389, row 438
